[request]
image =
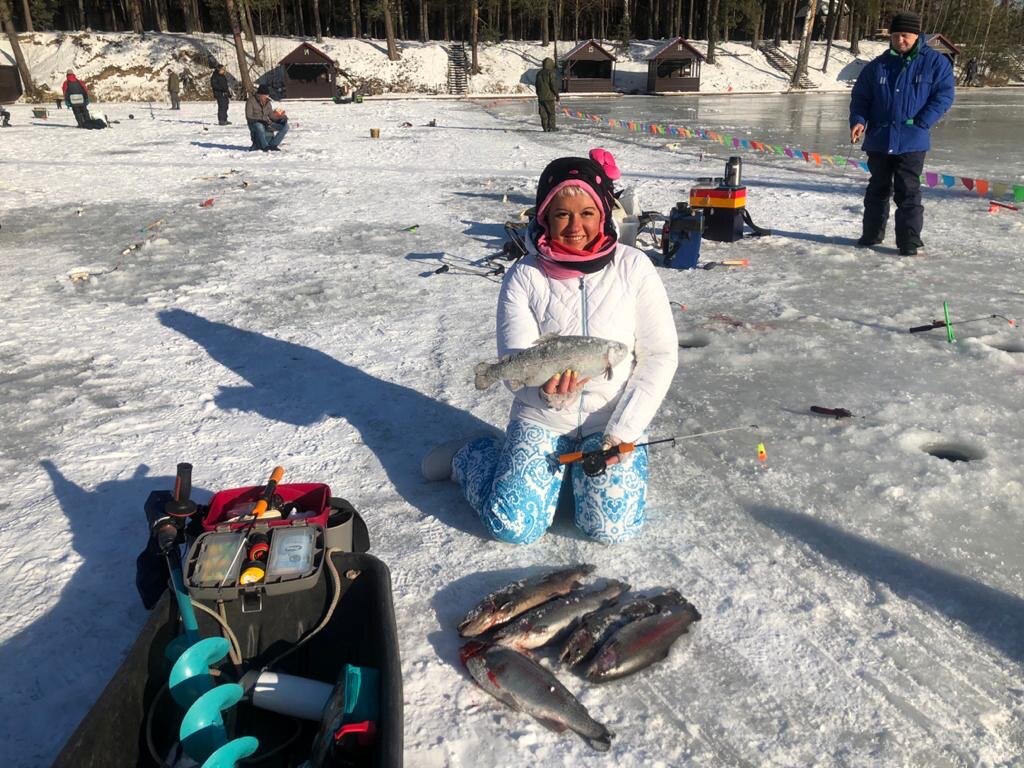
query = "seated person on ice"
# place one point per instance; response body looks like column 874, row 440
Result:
column 267, row 125
column 575, row 280
column 5, row 117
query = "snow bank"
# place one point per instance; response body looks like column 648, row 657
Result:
column 120, row 66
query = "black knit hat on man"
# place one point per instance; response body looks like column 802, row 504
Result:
column 905, row 21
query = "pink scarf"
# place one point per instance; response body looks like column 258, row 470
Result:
column 558, row 261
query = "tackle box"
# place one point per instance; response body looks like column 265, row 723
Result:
column 217, row 559
column 312, row 499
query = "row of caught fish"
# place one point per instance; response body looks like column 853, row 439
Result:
column 534, row 612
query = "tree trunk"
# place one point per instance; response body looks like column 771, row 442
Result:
column 805, row 45
column 758, row 21
column 545, row 32
column 854, row 30
column 833, row 13
column 316, row 23
column 135, row 8
column 245, row 15
column 19, row 57
column 389, row 31
column 689, row 18
column 792, row 20
column 82, row 21
column 712, row 29
column 474, row 27
column 780, row 10
column 28, row 16
column 424, row 20
column 299, row 21
column 353, row 9
column 236, row 33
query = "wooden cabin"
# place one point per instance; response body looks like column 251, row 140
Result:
column 305, row 73
column 943, row 45
column 588, row 68
column 10, row 84
column 674, row 67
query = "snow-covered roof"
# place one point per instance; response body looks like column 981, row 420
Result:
column 580, row 48
column 672, row 43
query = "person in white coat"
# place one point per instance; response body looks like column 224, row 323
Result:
column 576, row 280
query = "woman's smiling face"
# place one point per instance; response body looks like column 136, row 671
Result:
column 573, row 218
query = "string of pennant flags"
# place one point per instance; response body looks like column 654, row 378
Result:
column 982, row 187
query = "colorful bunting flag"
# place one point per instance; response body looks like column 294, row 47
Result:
column 969, row 183
column 931, row 178
column 982, row 186
column 948, row 181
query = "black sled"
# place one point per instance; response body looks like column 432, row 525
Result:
column 333, row 630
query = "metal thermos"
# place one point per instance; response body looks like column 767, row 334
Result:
column 734, row 172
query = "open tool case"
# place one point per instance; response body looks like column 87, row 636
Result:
column 237, row 557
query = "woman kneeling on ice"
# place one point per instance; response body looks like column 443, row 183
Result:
column 576, row 280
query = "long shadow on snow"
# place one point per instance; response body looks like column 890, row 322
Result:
column 53, row 663
column 996, row 616
column 211, row 145
column 302, row 386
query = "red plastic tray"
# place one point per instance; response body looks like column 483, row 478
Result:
column 310, row 497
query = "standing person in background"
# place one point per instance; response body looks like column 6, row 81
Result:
column 547, row 85
column 896, row 100
column 5, row 117
column 972, row 72
column 222, row 93
column 76, row 96
column 174, row 89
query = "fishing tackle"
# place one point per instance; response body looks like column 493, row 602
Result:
column 839, row 413
column 596, row 462
column 948, row 325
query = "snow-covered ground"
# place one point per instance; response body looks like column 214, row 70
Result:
column 863, row 599
column 119, row 66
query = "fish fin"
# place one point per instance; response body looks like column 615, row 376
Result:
column 545, row 338
column 608, row 373
column 552, row 725
column 484, row 377
column 601, row 743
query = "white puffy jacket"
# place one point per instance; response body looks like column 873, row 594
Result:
column 625, row 301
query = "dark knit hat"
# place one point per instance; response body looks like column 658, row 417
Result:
column 579, row 172
column 905, row 21
column 263, row 90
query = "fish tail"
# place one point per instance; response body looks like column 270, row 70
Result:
column 484, row 375
column 601, row 743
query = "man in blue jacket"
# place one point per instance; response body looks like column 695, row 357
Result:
column 896, row 100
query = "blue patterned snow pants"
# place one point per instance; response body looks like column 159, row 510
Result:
column 514, row 485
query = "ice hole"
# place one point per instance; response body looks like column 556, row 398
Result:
column 694, row 341
column 954, row 451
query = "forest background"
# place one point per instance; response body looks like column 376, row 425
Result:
column 989, row 32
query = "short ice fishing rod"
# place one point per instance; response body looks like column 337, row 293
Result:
column 948, row 325
column 595, row 462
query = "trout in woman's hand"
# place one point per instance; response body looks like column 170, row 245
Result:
column 590, row 356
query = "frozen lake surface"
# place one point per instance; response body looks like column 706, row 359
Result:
column 979, row 136
column 863, row 597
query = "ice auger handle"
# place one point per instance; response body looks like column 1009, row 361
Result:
column 930, row 327
column 183, row 482
column 261, row 506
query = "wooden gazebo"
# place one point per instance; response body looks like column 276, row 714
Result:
column 674, row 67
column 943, row 45
column 587, row 68
column 10, row 84
column 307, row 73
